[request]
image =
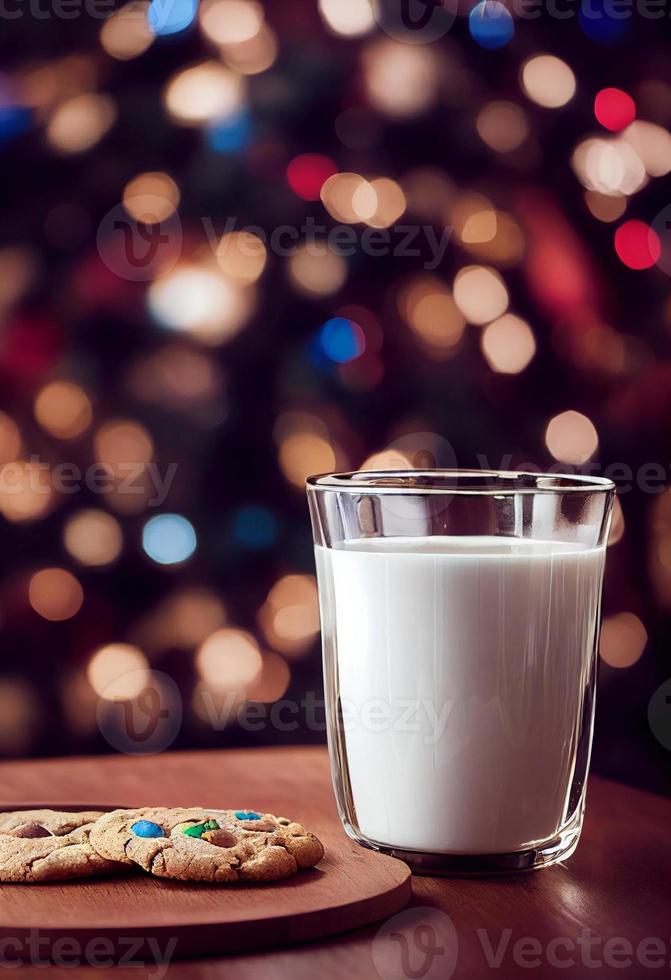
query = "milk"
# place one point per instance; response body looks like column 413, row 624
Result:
column 465, row 669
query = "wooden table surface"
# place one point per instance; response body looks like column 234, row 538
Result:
column 607, row 912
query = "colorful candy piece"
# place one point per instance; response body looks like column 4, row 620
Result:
column 146, row 828
column 197, row 830
column 31, row 830
column 182, row 827
column 247, row 815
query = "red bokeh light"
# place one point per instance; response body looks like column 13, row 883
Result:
column 614, row 109
column 637, row 245
column 308, row 172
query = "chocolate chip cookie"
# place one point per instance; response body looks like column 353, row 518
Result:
column 49, row 845
column 197, row 844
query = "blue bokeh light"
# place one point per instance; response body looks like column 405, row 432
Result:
column 601, row 21
column 169, row 539
column 232, row 134
column 171, row 16
column 14, row 120
column 341, row 340
column 491, row 24
column 255, row 528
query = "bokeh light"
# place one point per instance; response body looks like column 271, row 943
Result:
column 651, row 144
column 508, row 344
column 502, row 126
column 341, row 340
column 254, row 56
column 80, row 122
column 317, row 273
column 118, row 672
column 273, row 680
column 229, row 660
column 623, row 639
column 204, row 93
column 602, row 21
column 126, row 33
column 63, row 409
column 10, row 439
column 387, row 459
column 571, row 438
column 151, row 197
column 183, row 619
column 349, row 198
column 429, row 309
column 55, row 594
column 169, row 539
column 303, row 454
column 637, row 245
column 480, row 293
column 255, row 528
column 605, row 207
column 609, row 166
column 18, row 267
column 93, row 537
column 19, row 711
column 614, row 109
column 348, row 18
column 488, row 234
column 26, row 491
column 289, row 618
column 171, row 17
column 179, row 378
column 242, row 256
column 121, row 445
column 401, row 79
column 387, row 206
column 548, row 81
column 491, row 24
column 231, row 21
column 307, row 174
column 200, row 301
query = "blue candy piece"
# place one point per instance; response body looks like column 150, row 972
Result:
column 247, row 815
column 145, row 828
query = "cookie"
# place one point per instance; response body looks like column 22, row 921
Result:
column 49, row 845
column 196, row 844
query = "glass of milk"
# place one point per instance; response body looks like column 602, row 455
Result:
column 460, row 621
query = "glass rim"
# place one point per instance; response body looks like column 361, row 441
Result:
column 447, row 481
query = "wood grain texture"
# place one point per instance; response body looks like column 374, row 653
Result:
column 616, row 885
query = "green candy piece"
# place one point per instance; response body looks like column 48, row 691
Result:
column 201, row 828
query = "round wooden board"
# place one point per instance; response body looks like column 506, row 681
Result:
column 134, row 916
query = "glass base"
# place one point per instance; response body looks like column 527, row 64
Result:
column 543, row 855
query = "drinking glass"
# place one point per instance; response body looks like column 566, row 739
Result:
column 460, row 620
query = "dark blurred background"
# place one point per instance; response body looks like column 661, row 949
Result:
column 244, row 243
